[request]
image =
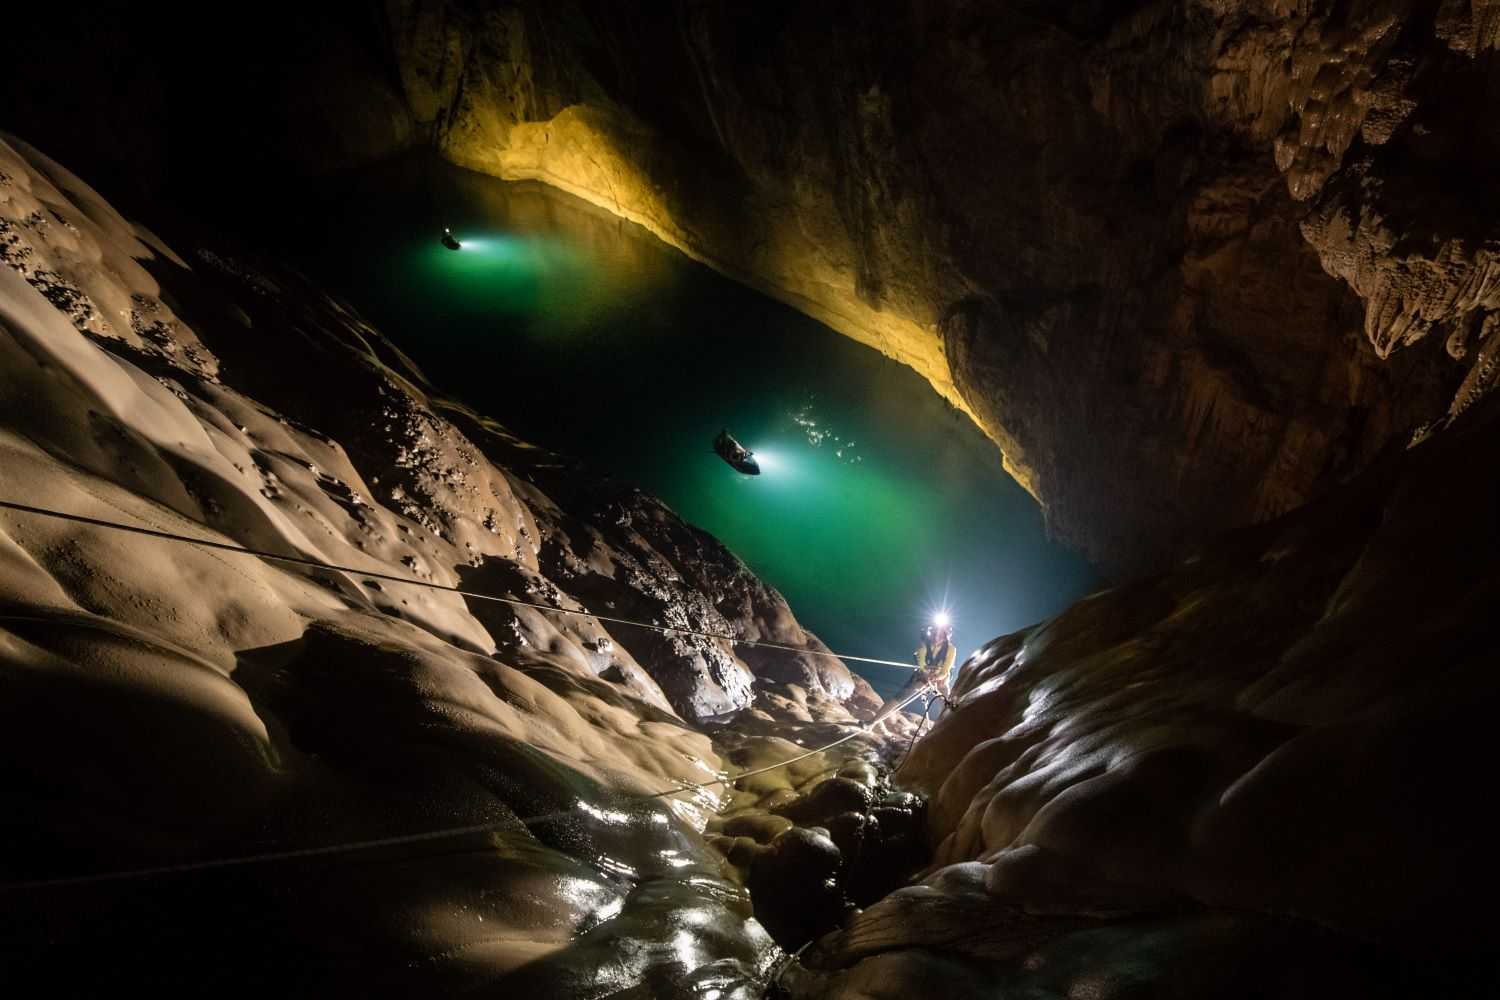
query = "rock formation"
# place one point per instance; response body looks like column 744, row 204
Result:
column 1193, row 264
column 1133, row 240
column 168, row 705
column 1272, row 749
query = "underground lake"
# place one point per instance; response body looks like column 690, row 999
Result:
column 878, row 505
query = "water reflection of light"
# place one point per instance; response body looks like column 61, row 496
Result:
column 685, row 943
column 843, row 448
column 770, row 461
column 610, row 910
column 615, row 867
column 486, row 245
column 606, row 815
column 506, row 247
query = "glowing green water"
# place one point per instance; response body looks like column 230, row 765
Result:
column 878, row 502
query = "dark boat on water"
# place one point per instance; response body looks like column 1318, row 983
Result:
column 450, row 241
column 739, row 457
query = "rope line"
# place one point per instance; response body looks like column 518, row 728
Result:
column 442, row 834
column 926, row 704
column 449, row 832
column 394, row 578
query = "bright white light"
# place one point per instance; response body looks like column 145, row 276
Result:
column 606, row 815
column 941, row 619
column 768, row 461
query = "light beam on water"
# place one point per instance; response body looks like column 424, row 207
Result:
column 877, row 504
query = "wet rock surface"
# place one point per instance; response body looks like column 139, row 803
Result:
column 1189, row 263
column 1252, row 776
column 168, row 705
column 821, row 837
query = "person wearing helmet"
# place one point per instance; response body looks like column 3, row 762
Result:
column 934, row 658
column 936, row 654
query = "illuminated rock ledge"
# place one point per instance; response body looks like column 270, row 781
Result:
column 596, row 155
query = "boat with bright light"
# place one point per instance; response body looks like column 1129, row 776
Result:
column 740, row 458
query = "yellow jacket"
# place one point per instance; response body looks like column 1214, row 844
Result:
column 937, row 663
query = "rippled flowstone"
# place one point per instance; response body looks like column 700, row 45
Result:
column 815, row 840
column 320, row 782
column 1254, row 776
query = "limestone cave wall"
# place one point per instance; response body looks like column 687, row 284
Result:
column 1187, row 262
column 1253, row 776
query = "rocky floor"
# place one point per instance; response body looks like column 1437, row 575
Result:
column 815, row 841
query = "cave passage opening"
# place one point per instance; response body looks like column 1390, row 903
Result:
column 879, row 503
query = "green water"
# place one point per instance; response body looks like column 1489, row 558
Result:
column 878, row 503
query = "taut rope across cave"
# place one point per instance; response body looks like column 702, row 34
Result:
column 393, row 578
